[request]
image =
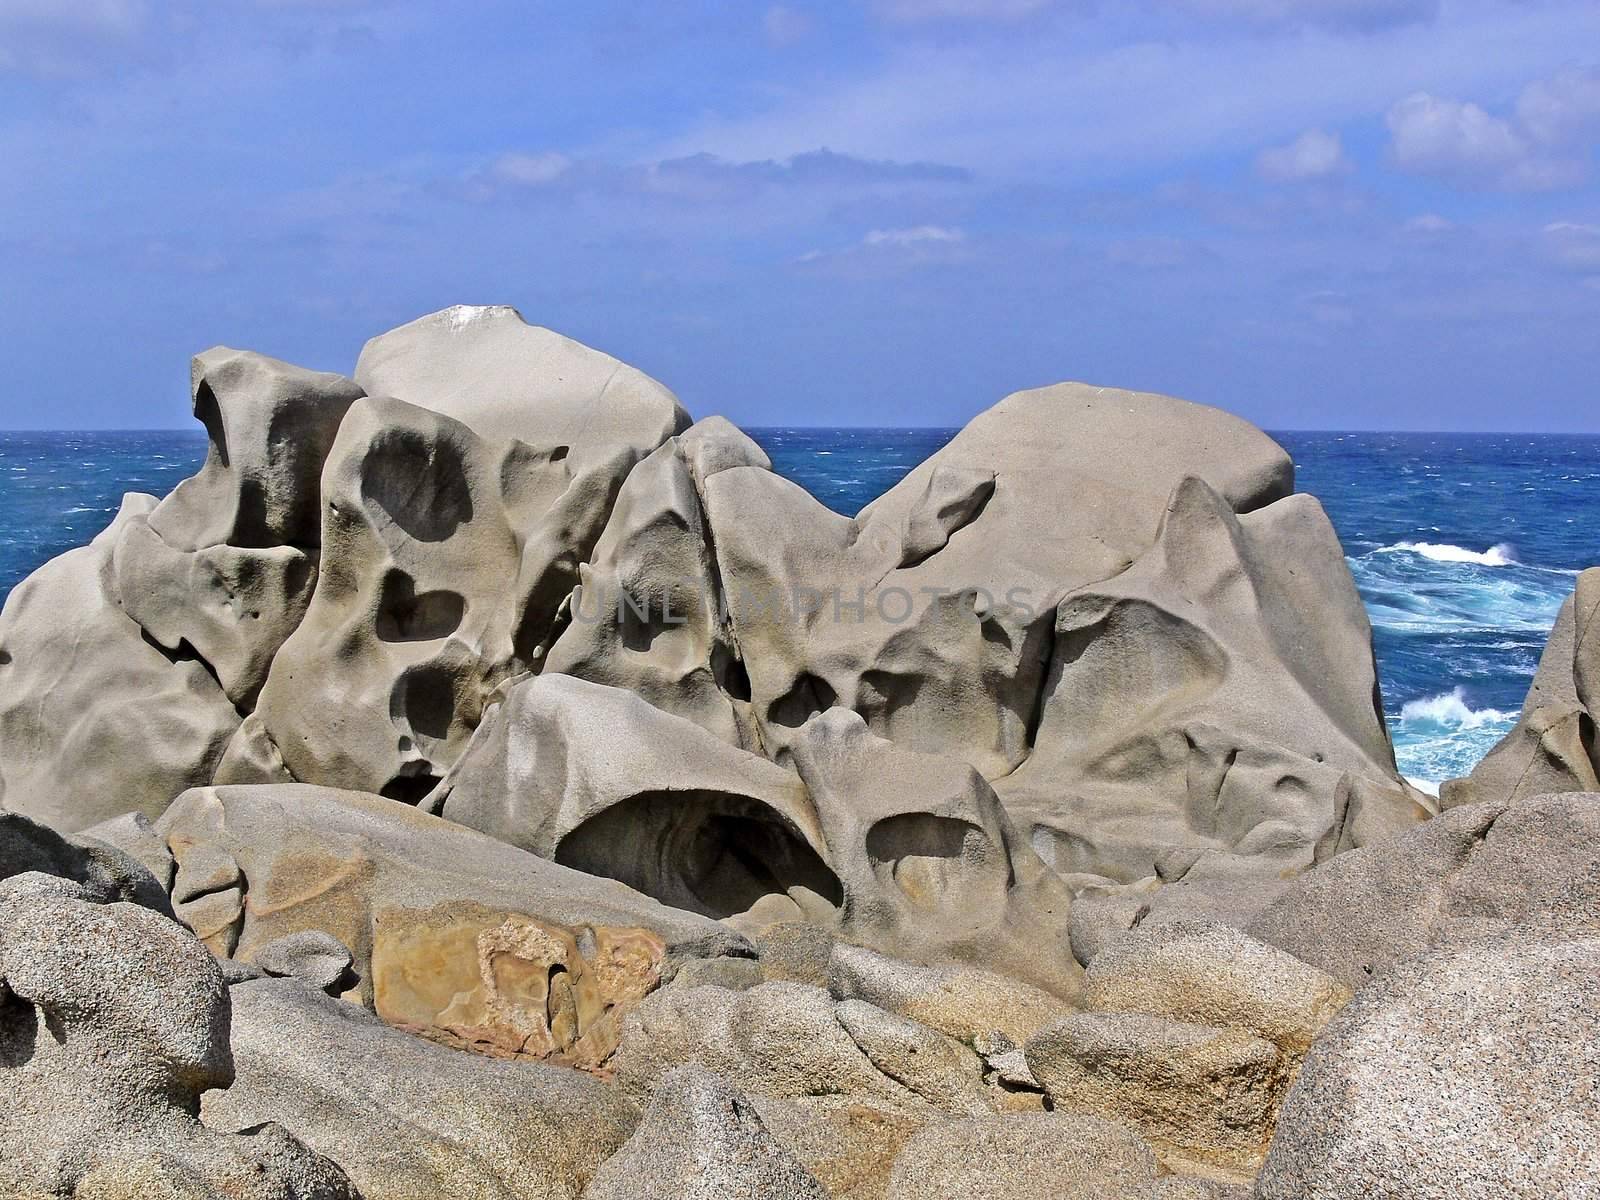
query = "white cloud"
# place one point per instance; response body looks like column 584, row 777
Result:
column 530, row 170
column 910, row 12
column 919, row 235
column 1315, row 154
column 62, row 36
column 1543, row 145
column 1572, row 246
column 1563, row 109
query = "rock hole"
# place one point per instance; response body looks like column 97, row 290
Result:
column 420, row 485
column 405, row 615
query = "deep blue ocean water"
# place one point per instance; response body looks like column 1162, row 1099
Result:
column 1463, row 546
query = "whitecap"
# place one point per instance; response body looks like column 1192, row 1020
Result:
column 1450, row 709
column 1502, row 555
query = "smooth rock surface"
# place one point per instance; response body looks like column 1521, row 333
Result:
column 1535, row 861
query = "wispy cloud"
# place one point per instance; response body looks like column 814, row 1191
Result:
column 1314, row 155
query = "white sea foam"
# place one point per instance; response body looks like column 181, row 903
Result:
column 1430, row 786
column 1503, row 555
column 1451, row 709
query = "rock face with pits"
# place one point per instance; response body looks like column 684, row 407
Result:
column 528, row 759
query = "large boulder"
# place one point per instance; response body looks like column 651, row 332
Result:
column 113, row 1021
column 489, row 369
column 406, row 1119
column 125, row 666
column 931, row 612
column 701, row 1140
column 95, row 718
column 596, row 778
column 1466, row 1072
column 930, row 865
column 1218, row 694
column 1535, row 861
column 1204, row 1097
column 908, row 853
column 839, row 1085
column 105, row 872
column 1212, row 974
column 1553, row 747
column 453, row 935
column 459, row 499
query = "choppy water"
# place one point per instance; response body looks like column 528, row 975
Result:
column 1463, row 546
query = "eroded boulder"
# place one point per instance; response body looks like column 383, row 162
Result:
column 1216, row 695
column 95, row 719
column 113, row 1021
column 1465, row 1072
column 452, row 934
column 701, row 1140
column 406, row 1119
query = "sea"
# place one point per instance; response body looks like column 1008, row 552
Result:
column 1463, row 546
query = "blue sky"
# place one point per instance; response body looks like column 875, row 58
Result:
column 1317, row 213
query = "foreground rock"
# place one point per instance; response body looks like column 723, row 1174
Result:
column 701, row 1140
column 1553, row 747
column 1532, row 862
column 1043, row 1156
column 113, row 1021
column 1466, row 1072
column 405, row 1119
column 453, row 934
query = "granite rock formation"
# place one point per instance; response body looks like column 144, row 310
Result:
column 555, row 802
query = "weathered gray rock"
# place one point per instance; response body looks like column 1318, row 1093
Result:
column 453, row 934
column 104, row 872
column 311, row 956
column 701, row 1140
column 1210, row 974
column 1465, row 1072
column 1553, row 747
column 409, row 1120
column 967, row 1003
column 837, row 1086
column 648, row 614
column 1535, row 861
column 595, row 778
column 113, row 1021
column 1025, row 1156
column 95, row 720
column 930, row 865
column 930, row 613
column 270, row 427
column 1218, row 694
column 1204, row 1098
column 507, row 380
